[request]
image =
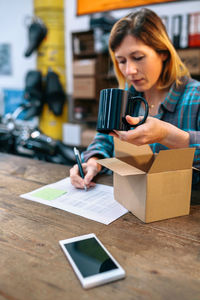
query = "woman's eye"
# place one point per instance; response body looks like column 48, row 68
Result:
column 121, row 62
column 138, row 58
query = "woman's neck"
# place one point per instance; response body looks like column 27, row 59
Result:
column 154, row 98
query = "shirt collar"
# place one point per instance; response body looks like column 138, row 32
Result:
column 172, row 99
column 174, row 95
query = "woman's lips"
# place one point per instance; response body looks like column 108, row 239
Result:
column 137, row 81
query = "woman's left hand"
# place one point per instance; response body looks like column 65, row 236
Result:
column 153, row 131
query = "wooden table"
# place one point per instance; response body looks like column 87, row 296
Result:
column 161, row 259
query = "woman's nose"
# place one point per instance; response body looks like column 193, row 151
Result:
column 131, row 68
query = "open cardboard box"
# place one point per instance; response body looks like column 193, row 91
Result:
column 152, row 187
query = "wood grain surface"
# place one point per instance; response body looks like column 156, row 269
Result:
column 161, row 259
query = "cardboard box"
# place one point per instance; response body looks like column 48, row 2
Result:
column 84, row 88
column 84, row 67
column 152, row 187
column 191, row 58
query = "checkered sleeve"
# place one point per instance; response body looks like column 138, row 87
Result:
column 193, row 122
column 195, row 142
column 102, row 147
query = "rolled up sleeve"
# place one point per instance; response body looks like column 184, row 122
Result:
column 102, row 147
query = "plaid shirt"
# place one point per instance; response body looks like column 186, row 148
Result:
column 181, row 108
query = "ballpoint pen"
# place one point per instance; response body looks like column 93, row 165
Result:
column 78, row 160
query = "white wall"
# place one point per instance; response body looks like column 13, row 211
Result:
column 13, row 31
column 81, row 23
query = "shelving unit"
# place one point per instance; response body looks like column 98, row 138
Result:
column 191, row 58
column 92, row 72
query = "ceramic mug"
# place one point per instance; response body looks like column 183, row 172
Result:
column 114, row 105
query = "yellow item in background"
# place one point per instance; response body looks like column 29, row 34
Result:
column 85, row 7
column 51, row 55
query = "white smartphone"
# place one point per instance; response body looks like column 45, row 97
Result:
column 91, row 261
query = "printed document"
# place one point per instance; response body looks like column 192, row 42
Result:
column 97, row 203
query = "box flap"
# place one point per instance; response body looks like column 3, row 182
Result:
column 133, row 150
column 172, row 160
column 119, row 167
column 140, row 157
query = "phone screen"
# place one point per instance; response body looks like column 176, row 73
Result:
column 89, row 257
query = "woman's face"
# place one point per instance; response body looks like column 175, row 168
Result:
column 140, row 64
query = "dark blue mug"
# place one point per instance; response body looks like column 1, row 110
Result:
column 114, row 105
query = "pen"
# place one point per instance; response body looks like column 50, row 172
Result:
column 78, row 160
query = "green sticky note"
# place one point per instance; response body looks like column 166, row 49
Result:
column 48, row 193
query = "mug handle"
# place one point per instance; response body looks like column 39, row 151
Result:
column 134, row 99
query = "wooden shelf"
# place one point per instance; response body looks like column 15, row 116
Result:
column 91, row 74
column 191, row 58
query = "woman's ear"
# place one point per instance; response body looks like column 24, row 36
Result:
column 164, row 56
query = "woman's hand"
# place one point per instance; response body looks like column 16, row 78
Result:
column 90, row 169
column 153, row 131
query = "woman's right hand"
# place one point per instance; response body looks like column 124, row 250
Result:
column 91, row 168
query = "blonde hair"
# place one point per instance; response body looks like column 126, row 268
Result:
column 146, row 26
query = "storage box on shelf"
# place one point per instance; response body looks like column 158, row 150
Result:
column 84, row 87
column 84, row 67
column 191, row 58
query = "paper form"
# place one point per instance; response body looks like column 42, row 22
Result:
column 97, row 203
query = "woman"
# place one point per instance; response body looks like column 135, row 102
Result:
column 145, row 59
